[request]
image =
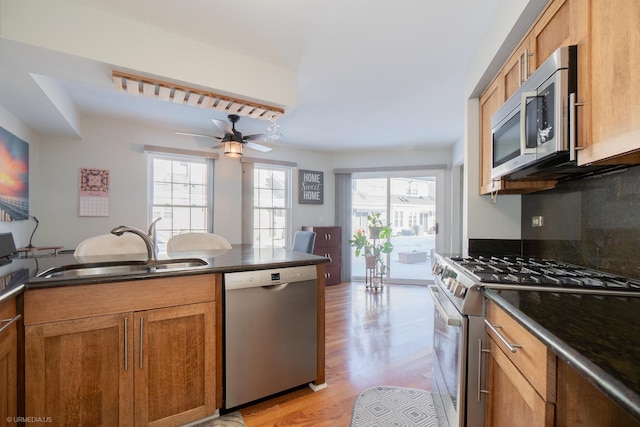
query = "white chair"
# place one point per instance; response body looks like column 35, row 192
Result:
column 110, row 244
column 189, row 242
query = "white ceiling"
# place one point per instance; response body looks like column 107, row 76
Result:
column 370, row 73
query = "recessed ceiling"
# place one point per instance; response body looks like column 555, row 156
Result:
column 369, row 74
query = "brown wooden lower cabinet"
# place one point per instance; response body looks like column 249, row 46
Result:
column 75, row 371
column 8, row 363
column 580, row 404
column 512, row 401
column 173, row 380
column 154, row 366
column 534, row 387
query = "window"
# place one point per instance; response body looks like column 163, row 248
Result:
column 181, row 194
column 271, row 205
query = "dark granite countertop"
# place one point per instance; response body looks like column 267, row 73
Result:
column 21, row 273
column 598, row 336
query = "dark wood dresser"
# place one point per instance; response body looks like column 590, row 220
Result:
column 328, row 245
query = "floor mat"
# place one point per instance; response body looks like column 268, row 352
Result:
column 234, row 419
column 387, row 406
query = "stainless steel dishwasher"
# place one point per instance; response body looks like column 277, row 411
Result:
column 270, row 326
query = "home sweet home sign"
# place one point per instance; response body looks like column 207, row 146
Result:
column 311, row 187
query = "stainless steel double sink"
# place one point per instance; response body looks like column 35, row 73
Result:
column 120, row 268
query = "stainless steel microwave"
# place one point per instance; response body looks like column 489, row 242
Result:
column 531, row 133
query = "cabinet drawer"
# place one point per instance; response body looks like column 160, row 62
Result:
column 327, row 236
column 332, row 274
column 86, row 300
column 531, row 357
column 333, row 253
column 8, row 309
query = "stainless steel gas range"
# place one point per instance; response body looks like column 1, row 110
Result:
column 459, row 306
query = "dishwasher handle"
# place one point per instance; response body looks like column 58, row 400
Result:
column 275, row 288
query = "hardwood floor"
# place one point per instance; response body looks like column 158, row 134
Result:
column 372, row 338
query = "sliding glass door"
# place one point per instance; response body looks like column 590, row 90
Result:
column 407, row 203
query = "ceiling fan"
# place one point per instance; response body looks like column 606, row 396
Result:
column 233, row 141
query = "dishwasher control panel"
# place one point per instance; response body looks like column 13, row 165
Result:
column 278, row 276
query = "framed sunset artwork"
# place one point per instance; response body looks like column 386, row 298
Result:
column 14, row 177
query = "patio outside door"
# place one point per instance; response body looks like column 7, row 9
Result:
column 408, row 205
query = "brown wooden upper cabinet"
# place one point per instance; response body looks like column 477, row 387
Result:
column 608, row 124
column 608, row 41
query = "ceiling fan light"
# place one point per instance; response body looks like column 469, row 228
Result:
column 232, row 149
column 273, row 130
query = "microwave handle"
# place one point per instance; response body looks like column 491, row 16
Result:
column 523, row 122
column 573, row 104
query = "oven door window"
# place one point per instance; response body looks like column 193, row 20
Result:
column 545, row 120
column 542, row 119
column 506, row 140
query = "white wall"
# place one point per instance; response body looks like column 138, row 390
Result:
column 117, row 145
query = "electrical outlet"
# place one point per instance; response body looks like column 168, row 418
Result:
column 536, row 221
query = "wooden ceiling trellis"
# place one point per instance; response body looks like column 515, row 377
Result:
column 139, row 85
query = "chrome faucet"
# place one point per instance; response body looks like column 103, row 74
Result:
column 151, row 248
column 152, row 232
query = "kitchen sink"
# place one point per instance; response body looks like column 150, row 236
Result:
column 119, row 268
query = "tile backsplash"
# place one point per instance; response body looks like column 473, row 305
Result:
column 593, row 222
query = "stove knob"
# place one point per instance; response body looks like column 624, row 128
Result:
column 453, row 285
column 460, row 291
column 448, row 283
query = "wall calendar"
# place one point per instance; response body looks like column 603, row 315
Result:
column 94, row 192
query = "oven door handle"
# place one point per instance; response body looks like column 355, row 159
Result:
column 451, row 321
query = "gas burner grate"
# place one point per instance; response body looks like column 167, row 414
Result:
column 542, row 272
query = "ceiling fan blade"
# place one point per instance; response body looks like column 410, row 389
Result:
column 209, row 144
column 257, row 147
column 256, row 137
column 223, row 126
column 199, row 135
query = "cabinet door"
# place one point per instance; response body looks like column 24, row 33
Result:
column 8, row 364
column 175, row 364
column 491, row 100
column 550, row 31
column 581, row 404
column 612, row 106
column 516, row 69
column 80, row 371
column 512, row 401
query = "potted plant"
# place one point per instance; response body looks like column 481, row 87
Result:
column 373, row 245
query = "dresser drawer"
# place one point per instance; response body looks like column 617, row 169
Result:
column 332, row 274
column 531, row 357
column 332, row 253
column 326, row 236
